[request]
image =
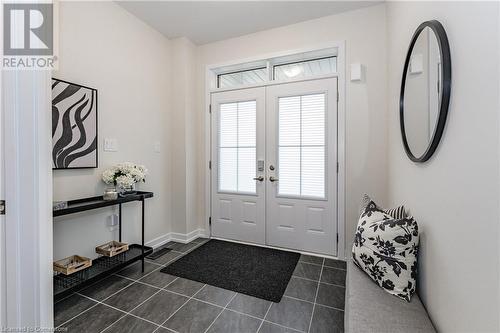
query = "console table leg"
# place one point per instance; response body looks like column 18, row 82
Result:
column 120, row 222
column 142, row 241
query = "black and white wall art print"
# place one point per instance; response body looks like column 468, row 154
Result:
column 74, row 126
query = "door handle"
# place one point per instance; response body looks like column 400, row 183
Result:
column 272, row 179
column 260, row 178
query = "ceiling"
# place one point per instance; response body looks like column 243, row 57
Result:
column 210, row 21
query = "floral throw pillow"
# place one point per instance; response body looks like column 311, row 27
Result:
column 386, row 249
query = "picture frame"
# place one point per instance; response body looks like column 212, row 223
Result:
column 74, row 126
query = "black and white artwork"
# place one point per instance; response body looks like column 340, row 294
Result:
column 74, row 126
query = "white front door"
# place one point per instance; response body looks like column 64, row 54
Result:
column 238, row 138
column 274, row 160
column 301, row 154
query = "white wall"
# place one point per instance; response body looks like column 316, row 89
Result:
column 455, row 195
column 105, row 47
column 184, row 137
column 366, row 138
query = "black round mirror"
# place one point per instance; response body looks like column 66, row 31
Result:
column 425, row 91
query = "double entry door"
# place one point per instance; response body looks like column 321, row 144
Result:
column 274, row 165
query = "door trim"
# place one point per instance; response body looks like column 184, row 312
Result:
column 28, row 195
column 341, row 132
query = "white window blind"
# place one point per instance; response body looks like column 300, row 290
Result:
column 237, row 146
column 301, row 151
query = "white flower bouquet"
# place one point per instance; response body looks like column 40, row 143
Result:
column 125, row 176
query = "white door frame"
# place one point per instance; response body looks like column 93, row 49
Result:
column 26, row 111
column 341, row 130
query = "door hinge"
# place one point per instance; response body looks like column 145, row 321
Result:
column 2, row 207
column 337, row 238
column 210, row 221
column 210, row 165
column 338, row 167
column 338, row 97
column 210, row 108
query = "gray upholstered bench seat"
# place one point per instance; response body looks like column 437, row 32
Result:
column 370, row 309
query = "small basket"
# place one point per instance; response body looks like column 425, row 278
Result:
column 72, row 264
column 111, row 249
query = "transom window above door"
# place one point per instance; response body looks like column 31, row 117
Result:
column 301, row 145
column 237, row 146
column 283, row 68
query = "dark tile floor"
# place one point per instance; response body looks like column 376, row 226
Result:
column 136, row 302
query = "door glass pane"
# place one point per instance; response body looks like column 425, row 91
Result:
column 302, row 150
column 313, row 171
column 289, row 170
column 237, row 146
column 302, row 69
column 253, row 76
column 228, row 165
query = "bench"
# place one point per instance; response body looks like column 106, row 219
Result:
column 369, row 308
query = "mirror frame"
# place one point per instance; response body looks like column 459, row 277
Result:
column 444, row 49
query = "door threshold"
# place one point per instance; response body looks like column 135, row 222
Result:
column 329, row 256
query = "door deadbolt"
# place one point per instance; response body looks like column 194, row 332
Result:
column 271, row 167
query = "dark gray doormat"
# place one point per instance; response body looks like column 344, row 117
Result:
column 247, row 269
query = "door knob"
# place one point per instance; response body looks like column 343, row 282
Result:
column 273, row 179
column 260, row 178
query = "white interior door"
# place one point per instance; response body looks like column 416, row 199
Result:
column 301, row 155
column 238, row 187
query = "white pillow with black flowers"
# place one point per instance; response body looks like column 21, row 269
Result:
column 386, row 249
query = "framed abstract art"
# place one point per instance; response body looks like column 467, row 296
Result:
column 74, row 126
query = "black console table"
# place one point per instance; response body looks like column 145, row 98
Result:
column 102, row 266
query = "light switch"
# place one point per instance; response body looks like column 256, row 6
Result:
column 157, row 146
column 110, row 144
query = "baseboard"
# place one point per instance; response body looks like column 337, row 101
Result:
column 176, row 237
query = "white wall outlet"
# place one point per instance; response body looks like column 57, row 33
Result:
column 356, row 72
column 110, row 144
column 157, row 146
column 112, row 220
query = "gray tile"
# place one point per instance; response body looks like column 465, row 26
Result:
column 268, row 327
column 159, row 307
column 70, row 307
column 291, row 313
column 215, row 295
column 230, row 322
column 186, row 247
column 249, row 305
column 302, row 289
column 164, row 330
column 327, row 320
column 173, row 245
column 94, row 320
column 167, row 258
column 201, row 240
column 311, row 259
column 335, row 263
column 131, row 324
column 158, row 279
column 130, row 297
column 106, row 287
column 333, row 296
column 333, row 275
column 134, row 271
column 194, row 316
column 307, row 271
column 185, row 287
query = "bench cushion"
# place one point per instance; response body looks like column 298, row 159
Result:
column 370, row 309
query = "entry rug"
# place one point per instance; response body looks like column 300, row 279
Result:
column 251, row 270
